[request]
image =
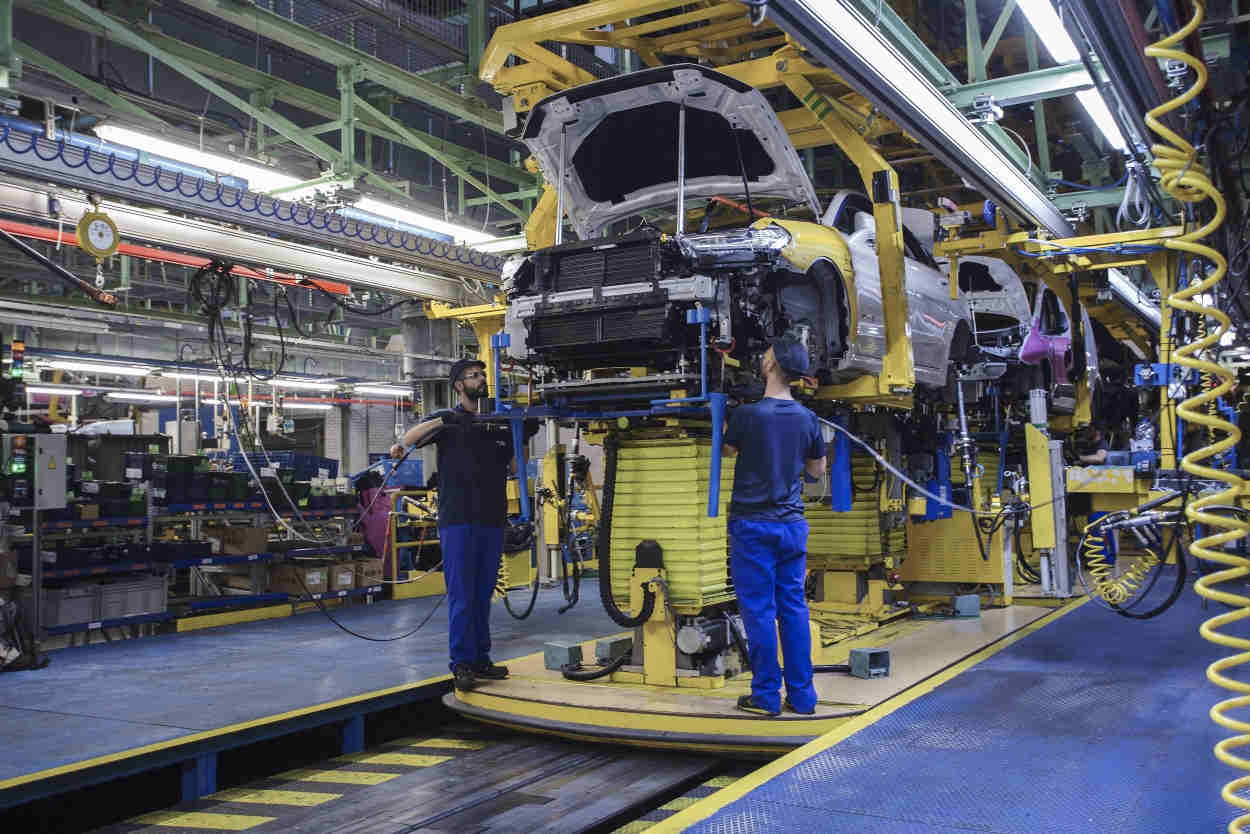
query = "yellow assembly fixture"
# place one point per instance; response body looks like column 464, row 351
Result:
column 1186, row 181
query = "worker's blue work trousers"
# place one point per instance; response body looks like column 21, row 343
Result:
column 769, row 563
column 471, row 555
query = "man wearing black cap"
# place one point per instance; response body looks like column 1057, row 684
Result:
column 473, row 462
column 777, row 441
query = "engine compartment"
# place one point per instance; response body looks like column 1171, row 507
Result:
column 626, row 302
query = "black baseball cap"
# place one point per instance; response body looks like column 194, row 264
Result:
column 791, row 356
column 461, row 365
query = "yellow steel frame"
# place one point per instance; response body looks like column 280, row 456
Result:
column 485, row 319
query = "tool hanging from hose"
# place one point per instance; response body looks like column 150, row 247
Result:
column 96, row 294
column 1187, row 181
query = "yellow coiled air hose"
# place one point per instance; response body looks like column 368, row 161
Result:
column 1187, row 181
column 1114, row 591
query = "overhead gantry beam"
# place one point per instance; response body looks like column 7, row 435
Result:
column 268, row 88
column 252, row 18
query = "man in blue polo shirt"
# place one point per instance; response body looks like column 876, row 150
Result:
column 777, row 442
column 473, row 463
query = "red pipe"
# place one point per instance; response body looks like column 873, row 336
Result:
column 148, row 253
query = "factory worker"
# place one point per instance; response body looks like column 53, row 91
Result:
column 473, row 465
column 777, row 442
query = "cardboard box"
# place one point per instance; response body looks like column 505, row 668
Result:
column 8, row 569
column 368, row 571
column 342, row 576
column 238, row 541
column 286, row 579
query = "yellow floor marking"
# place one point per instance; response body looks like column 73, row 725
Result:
column 341, row 777
column 721, row 782
column 680, row 803
column 410, row 759
column 304, row 799
column 449, row 744
column 635, row 827
column 710, row 805
column 201, row 819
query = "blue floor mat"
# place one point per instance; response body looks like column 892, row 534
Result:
column 107, row 698
column 1095, row 723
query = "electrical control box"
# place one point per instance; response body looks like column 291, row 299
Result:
column 50, row 480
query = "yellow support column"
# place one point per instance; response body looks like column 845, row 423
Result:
column 898, row 374
column 659, row 650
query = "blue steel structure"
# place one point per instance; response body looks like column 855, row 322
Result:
column 709, row 404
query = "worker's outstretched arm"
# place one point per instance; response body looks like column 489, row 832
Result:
column 418, row 435
column 814, row 468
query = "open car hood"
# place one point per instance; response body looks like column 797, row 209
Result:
column 620, row 138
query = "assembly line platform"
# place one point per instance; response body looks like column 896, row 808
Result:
column 1084, row 721
column 107, row 710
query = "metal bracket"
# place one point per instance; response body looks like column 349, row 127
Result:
column 984, row 110
column 1158, row 374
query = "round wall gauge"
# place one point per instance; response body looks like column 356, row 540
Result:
column 97, row 234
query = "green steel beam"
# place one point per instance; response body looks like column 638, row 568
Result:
column 10, row 61
column 996, row 34
column 972, row 36
column 128, row 37
column 92, row 88
column 1041, row 137
column 1092, row 199
column 916, row 51
column 289, row 92
column 252, row 18
column 525, row 194
column 476, row 36
column 1035, row 85
column 410, row 137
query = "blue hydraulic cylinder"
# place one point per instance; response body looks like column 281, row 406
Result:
column 940, row 484
column 840, row 492
column 716, row 403
column 522, row 474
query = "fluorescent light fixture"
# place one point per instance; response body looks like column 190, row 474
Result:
column 308, row 406
column 195, row 377
column 53, row 391
column 462, row 234
column 65, row 323
column 219, row 402
column 1052, row 34
column 261, row 179
column 383, row 390
column 96, row 367
column 503, row 245
column 137, row 397
column 839, row 35
column 305, row 384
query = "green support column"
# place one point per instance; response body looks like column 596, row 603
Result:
column 1039, row 109
column 972, row 31
column 476, row 36
column 349, row 77
column 10, row 63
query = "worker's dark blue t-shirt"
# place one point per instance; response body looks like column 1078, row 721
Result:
column 473, row 463
column 774, row 439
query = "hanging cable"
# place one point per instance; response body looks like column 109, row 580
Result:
column 1186, row 181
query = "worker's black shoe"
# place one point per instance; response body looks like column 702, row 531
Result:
column 490, row 672
column 462, row 673
column 747, row 704
column 789, row 707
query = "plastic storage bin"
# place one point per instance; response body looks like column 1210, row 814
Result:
column 131, row 597
column 69, row 605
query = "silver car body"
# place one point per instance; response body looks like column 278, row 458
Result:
column 558, row 130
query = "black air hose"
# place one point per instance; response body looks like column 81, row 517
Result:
column 610, row 451
column 533, row 588
column 577, row 673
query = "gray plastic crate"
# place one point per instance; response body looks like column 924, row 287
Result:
column 71, row 604
column 132, row 597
